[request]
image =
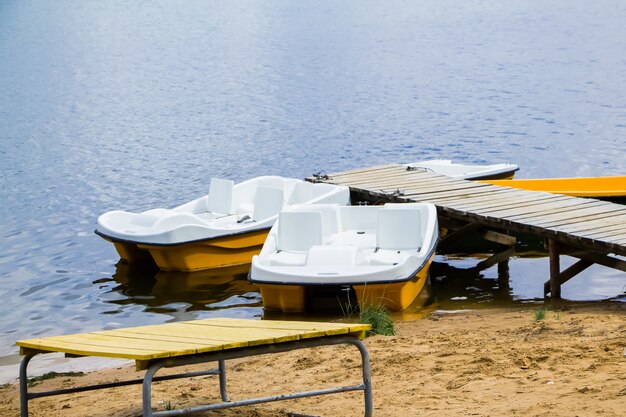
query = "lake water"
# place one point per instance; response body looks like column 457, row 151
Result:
column 135, row 105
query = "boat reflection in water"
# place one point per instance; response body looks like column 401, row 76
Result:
column 185, row 294
column 227, row 292
column 456, row 284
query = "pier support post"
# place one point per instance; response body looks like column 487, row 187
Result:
column 503, row 270
column 555, row 269
column 504, row 285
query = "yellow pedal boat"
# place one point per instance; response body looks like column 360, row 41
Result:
column 224, row 228
column 383, row 253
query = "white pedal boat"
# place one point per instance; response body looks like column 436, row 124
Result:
column 382, row 252
column 466, row 172
column 224, row 228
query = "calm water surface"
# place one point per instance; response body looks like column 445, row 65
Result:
column 135, row 105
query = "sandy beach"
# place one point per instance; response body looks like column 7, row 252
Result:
column 474, row 363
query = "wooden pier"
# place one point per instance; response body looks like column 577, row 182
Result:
column 590, row 230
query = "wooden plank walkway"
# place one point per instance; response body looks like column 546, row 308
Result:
column 589, row 229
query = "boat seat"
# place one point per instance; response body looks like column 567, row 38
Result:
column 302, row 191
column 330, row 223
column 268, row 201
column 220, row 196
column 335, row 256
column 358, row 217
column 399, row 228
column 298, row 230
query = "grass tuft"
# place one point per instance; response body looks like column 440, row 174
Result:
column 540, row 314
column 380, row 319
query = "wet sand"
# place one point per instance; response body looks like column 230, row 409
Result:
column 474, row 363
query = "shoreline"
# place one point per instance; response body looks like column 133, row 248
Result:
column 481, row 362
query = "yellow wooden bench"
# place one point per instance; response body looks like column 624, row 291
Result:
column 193, row 342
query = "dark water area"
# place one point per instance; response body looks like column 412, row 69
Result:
column 136, row 105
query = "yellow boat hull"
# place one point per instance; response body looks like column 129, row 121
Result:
column 396, row 296
column 287, row 298
column 614, row 186
column 392, row 296
column 195, row 256
column 131, row 253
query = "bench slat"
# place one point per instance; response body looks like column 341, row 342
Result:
column 145, row 343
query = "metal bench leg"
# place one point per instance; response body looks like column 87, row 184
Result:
column 149, row 377
column 147, row 388
column 222, row 369
column 24, row 386
column 367, row 376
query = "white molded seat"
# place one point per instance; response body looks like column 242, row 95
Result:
column 220, row 196
column 268, row 201
column 299, row 230
column 359, row 217
column 399, row 228
column 330, row 222
column 301, row 192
